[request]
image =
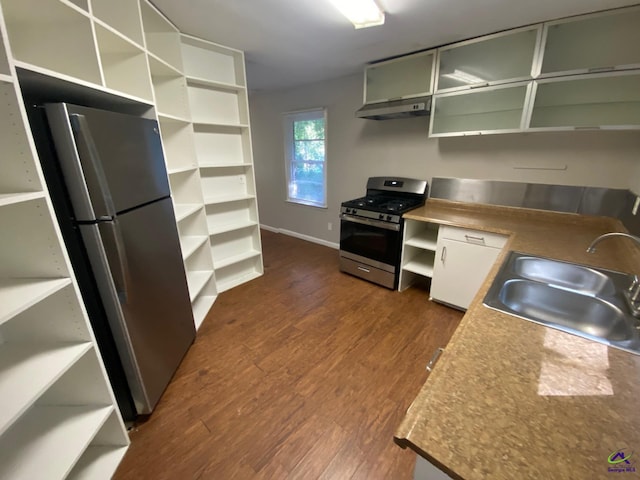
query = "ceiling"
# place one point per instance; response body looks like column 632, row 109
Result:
column 295, row 42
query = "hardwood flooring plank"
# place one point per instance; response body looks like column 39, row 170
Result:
column 305, row 372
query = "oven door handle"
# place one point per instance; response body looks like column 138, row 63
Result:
column 368, row 221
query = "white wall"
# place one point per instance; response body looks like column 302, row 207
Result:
column 358, row 149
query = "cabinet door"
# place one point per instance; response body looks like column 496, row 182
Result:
column 498, row 109
column 588, row 101
column 405, row 77
column 493, row 59
column 459, row 270
column 599, row 42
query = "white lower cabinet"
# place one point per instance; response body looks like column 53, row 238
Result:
column 463, row 260
column 425, row 470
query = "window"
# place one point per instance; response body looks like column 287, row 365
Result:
column 305, row 158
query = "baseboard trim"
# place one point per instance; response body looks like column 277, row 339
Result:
column 301, row 236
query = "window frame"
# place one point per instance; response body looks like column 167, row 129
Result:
column 289, row 118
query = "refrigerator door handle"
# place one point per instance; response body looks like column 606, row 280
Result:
column 114, row 248
column 86, row 146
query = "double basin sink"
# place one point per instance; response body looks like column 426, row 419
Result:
column 578, row 299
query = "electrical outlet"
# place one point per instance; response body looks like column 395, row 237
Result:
column 330, row 226
column 634, row 210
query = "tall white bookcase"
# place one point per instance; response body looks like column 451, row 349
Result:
column 58, row 410
column 58, row 415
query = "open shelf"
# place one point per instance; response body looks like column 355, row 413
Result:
column 51, row 438
column 421, row 235
column 210, row 105
column 196, row 281
column 189, row 244
column 201, row 307
column 177, row 139
column 121, row 15
column 238, row 273
column 18, row 173
column 422, row 264
column 193, row 225
column 98, row 462
column 424, row 243
column 180, row 170
column 185, row 187
column 162, row 38
column 210, row 62
column 17, row 295
column 183, row 211
column 230, row 227
column 101, row 458
column 227, row 184
column 40, row 363
column 234, row 246
column 124, row 65
column 227, row 261
column 11, row 198
column 170, row 90
column 227, row 198
column 58, row 38
column 219, row 146
column 29, row 245
column 227, row 216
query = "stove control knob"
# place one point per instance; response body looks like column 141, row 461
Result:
column 348, row 210
column 389, row 217
column 381, row 217
column 353, row 211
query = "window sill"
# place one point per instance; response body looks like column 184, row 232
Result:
column 306, row 204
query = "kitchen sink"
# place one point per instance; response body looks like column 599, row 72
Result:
column 564, row 275
column 577, row 299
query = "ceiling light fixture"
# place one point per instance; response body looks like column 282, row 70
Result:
column 362, row 13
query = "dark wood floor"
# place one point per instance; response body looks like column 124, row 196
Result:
column 303, row 373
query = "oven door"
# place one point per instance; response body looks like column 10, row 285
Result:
column 371, row 239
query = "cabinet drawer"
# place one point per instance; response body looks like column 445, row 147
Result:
column 475, row 237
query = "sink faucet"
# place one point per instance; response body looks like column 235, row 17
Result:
column 632, row 293
column 592, row 247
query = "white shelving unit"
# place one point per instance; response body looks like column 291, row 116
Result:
column 418, row 252
column 56, row 398
column 217, row 97
column 58, row 407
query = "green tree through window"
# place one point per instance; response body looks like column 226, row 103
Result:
column 306, row 167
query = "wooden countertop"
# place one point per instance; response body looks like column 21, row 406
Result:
column 512, row 399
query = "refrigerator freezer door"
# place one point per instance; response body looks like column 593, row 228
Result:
column 151, row 316
column 113, row 159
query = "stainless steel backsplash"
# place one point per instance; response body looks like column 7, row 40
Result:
column 610, row 202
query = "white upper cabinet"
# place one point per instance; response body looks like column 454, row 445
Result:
column 404, row 77
column 610, row 100
column 494, row 59
column 498, row 109
column 592, row 43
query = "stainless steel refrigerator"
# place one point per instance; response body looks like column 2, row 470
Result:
column 114, row 175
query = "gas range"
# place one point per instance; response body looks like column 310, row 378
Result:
column 371, row 228
column 381, row 207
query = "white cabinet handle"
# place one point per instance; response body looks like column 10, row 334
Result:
column 434, row 358
column 443, row 254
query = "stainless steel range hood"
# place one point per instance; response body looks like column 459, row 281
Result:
column 408, row 107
